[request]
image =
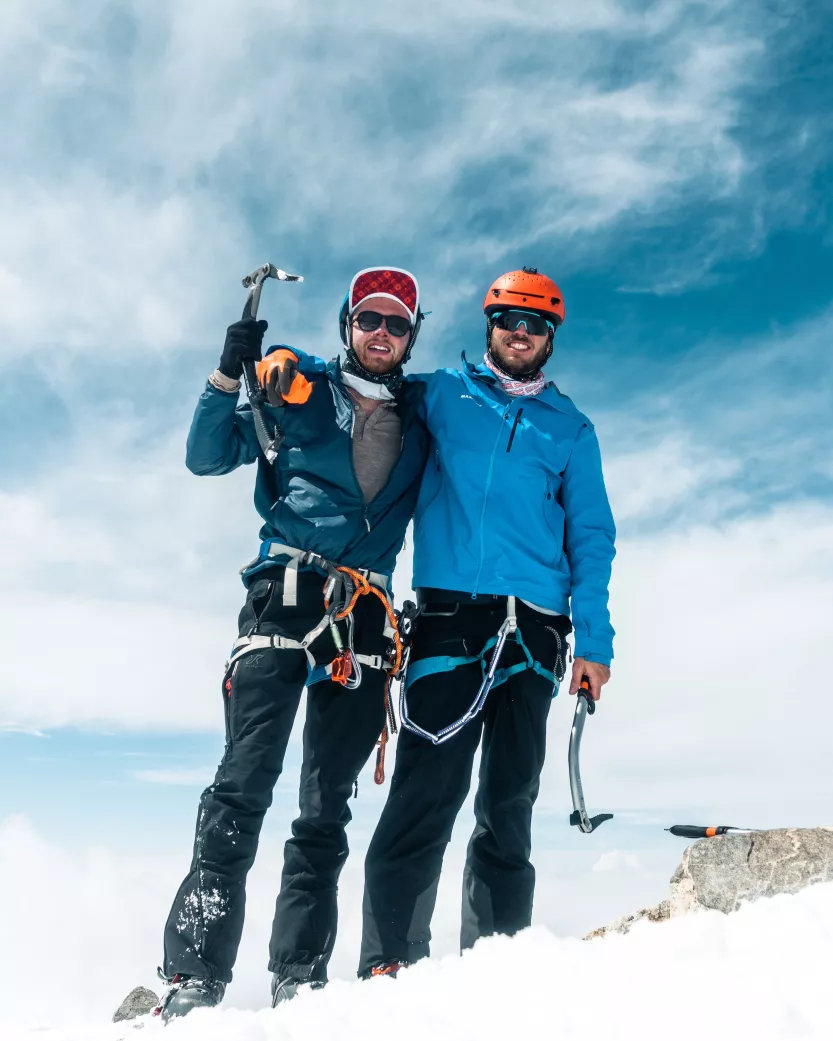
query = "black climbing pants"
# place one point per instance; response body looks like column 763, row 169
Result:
column 430, row 783
column 342, row 726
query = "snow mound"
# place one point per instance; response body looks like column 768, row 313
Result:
column 763, row 973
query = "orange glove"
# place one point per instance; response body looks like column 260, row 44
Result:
column 278, row 375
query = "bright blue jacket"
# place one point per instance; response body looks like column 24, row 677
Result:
column 310, row 498
column 513, row 502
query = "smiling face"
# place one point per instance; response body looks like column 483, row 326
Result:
column 517, row 352
column 379, row 351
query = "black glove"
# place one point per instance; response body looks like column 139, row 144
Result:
column 244, row 340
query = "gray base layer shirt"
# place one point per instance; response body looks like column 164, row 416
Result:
column 377, row 442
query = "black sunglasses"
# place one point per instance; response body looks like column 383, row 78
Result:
column 368, row 321
column 535, row 324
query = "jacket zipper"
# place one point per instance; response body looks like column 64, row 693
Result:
column 504, row 417
column 514, row 428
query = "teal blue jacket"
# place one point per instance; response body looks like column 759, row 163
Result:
column 513, row 501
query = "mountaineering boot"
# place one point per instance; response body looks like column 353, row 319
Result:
column 285, row 988
column 185, row 993
column 390, row 969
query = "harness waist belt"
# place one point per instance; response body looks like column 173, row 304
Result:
column 427, row 595
column 438, row 599
column 308, row 557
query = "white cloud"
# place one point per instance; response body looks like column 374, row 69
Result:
column 649, row 481
column 102, row 662
column 156, row 149
column 88, row 264
column 617, row 860
column 739, row 426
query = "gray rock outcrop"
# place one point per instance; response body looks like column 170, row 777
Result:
column 722, row 873
column 139, row 1002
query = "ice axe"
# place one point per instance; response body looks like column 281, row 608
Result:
column 269, row 443
column 585, row 706
column 697, row 831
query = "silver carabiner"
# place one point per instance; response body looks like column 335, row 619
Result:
column 476, row 705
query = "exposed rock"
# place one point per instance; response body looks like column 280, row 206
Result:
column 723, row 872
column 623, row 925
column 139, row 1002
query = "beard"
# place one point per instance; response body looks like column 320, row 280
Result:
column 380, row 364
column 528, row 365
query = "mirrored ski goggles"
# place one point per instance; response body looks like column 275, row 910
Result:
column 368, row 321
column 535, row 324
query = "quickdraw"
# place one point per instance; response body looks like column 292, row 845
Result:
column 342, row 666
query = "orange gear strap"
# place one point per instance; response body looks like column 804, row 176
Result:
column 300, row 388
column 362, row 588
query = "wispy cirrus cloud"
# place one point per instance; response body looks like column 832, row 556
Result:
column 164, row 144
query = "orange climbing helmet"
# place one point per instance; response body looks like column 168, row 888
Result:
column 526, row 290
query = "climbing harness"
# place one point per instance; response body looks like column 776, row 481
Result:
column 342, row 590
column 492, row 675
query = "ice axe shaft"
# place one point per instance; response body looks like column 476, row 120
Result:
column 585, row 706
column 269, row 443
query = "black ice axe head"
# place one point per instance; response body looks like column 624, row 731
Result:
column 585, row 706
column 269, row 443
column 254, row 283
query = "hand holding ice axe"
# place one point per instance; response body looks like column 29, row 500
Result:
column 269, row 443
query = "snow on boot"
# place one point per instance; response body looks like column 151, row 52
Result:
column 285, row 988
column 185, row 993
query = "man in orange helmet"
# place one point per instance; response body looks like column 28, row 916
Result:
column 513, row 536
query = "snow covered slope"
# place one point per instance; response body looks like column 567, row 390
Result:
column 763, row 973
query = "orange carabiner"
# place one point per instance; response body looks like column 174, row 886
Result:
column 342, row 668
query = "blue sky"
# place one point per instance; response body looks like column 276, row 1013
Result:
column 669, row 164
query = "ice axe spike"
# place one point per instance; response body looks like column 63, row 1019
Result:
column 585, row 706
column 269, row 444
